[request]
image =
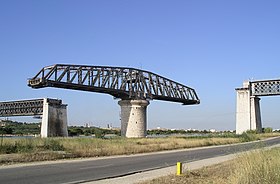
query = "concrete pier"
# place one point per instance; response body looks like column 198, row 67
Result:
column 248, row 114
column 256, row 122
column 54, row 121
column 133, row 118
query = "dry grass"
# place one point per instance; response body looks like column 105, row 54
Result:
column 268, row 135
column 39, row 149
column 97, row 147
column 57, row 148
column 217, row 174
column 256, row 167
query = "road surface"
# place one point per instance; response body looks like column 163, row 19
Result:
column 97, row 169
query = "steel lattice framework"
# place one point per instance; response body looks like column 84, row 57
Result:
column 120, row 82
column 25, row 107
column 22, row 108
column 265, row 87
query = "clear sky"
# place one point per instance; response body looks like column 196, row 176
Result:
column 211, row 46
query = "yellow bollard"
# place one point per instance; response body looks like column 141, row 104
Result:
column 179, row 168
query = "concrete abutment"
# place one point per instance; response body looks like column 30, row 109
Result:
column 54, row 120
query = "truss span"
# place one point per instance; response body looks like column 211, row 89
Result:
column 265, row 87
column 120, row 82
column 21, row 108
column 25, row 107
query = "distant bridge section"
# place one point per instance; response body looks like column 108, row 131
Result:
column 123, row 83
column 22, row 108
column 54, row 114
column 265, row 87
column 248, row 110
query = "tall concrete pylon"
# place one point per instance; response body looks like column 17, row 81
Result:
column 248, row 114
column 54, row 120
column 133, row 118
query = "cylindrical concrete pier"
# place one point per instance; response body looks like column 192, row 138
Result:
column 133, row 118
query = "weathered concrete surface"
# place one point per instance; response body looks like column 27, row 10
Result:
column 256, row 122
column 243, row 122
column 133, row 118
column 248, row 115
column 54, row 121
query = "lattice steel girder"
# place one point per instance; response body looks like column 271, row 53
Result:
column 120, row 82
column 25, row 107
column 265, row 87
column 21, row 108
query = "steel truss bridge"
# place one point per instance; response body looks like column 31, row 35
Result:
column 265, row 87
column 21, row 108
column 248, row 111
column 25, row 107
column 120, row 82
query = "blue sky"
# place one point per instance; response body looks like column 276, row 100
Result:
column 212, row 46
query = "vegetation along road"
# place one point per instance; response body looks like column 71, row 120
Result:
column 97, row 169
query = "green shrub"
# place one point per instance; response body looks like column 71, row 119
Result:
column 99, row 133
column 19, row 146
column 52, row 144
column 251, row 132
column 267, row 130
column 247, row 137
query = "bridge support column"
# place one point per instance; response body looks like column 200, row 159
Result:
column 248, row 114
column 256, row 121
column 133, row 118
column 54, row 121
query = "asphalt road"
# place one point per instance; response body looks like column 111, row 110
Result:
column 97, row 169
